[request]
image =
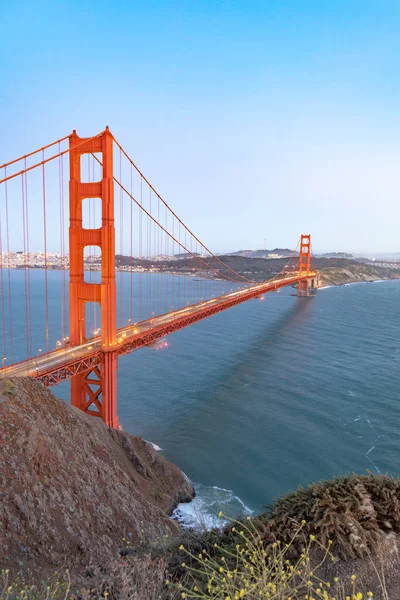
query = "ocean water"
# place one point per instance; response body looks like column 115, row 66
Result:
column 270, row 395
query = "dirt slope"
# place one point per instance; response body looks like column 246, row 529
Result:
column 71, row 487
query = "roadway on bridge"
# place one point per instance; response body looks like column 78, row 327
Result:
column 41, row 365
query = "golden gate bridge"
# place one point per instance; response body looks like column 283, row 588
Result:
column 89, row 195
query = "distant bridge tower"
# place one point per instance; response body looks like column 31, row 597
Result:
column 304, row 264
column 94, row 391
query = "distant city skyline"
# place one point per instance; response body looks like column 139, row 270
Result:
column 255, row 120
column 54, row 257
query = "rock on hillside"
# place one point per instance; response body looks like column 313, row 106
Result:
column 71, row 488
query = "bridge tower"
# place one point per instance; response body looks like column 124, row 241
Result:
column 94, row 391
column 304, row 264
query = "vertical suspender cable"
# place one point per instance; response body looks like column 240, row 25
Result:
column 140, row 252
column 61, row 208
column 160, row 261
column 25, row 281
column 121, row 243
column 179, row 266
column 10, row 345
column 46, row 284
column 185, row 277
column 28, row 263
column 131, row 274
column 165, row 309
column 63, row 243
column 3, row 320
column 153, row 279
column 173, row 266
column 148, row 258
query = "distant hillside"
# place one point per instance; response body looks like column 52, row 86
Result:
column 357, row 272
column 336, row 255
column 275, row 253
column 334, row 270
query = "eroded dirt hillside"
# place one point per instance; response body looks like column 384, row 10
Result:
column 71, row 487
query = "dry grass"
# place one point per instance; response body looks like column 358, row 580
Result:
column 228, row 572
column 57, row 588
column 248, row 571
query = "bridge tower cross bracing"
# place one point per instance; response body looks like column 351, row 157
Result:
column 304, row 263
column 95, row 391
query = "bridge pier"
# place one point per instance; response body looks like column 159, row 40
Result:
column 303, row 288
column 109, row 389
column 308, row 287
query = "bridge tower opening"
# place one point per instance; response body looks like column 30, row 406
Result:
column 94, row 391
column 304, row 264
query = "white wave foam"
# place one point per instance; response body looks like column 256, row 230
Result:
column 371, row 450
column 202, row 512
column 246, row 509
column 155, row 447
column 196, row 515
column 326, row 287
column 358, row 283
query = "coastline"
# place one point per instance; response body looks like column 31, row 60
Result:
column 349, row 283
column 341, row 277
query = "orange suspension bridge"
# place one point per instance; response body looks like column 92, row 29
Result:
column 123, row 246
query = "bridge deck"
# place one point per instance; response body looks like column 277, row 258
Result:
column 60, row 364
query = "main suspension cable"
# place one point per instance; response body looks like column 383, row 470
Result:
column 171, row 236
column 176, row 216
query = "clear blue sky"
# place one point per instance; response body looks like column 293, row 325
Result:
column 255, row 119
